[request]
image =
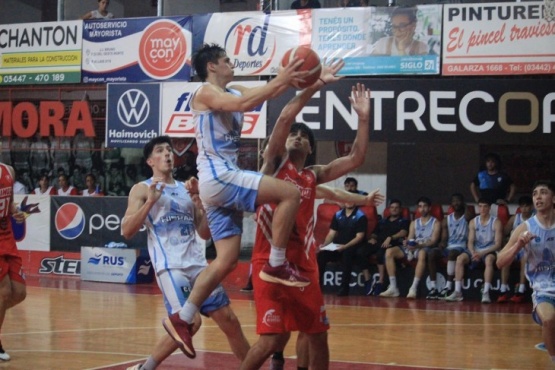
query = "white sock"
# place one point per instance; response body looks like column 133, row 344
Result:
column 449, row 285
column 521, row 288
column 415, row 283
column 277, row 256
column 451, row 268
column 458, row 286
column 433, row 284
column 187, row 312
column 504, row 288
column 487, row 287
column 393, row 282
column 150, row 364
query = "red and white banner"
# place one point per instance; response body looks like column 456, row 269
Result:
column 497, row 39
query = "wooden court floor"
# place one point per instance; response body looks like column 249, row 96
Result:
column 69, row 324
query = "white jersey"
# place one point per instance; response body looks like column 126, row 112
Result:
column 172, row 241
column 458, row 231
column 485, row 234
column 423, row 231
column 540, row 264
column 218, row 135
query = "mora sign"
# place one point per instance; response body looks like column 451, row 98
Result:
column 25, row 119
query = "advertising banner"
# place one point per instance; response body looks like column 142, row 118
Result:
column 251, row 38
column 177, row 118
column 89, row 221
column 114, row 265
column 51, row 263
column 34, row 233
column 497, row 39
column 434, row 110
column 137, row 49
column 378, row 40
column 133, row 114
column 40, row 53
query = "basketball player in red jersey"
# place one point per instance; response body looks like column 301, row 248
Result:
column 12, row 280
column 281, row 309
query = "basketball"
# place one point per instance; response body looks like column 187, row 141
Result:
column 311, row 63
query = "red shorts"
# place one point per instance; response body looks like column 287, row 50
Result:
column 282, row 309
column 13, row 267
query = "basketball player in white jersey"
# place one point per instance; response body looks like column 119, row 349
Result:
column 536, row 236
column 225, row 190
column 172, row 216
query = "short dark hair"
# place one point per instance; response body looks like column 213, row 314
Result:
column 525, row 200
column 459, row 196
column 149, row 147
column 547, row 183
column 485, row 201
column 93, row 177
column 207, row 53
column 409, row 12
column 395, row 200
column 295, row 127
column 494, row 157
column 351, row 179
column 426, row 200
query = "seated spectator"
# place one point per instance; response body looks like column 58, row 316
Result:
column 389, row 233
column 100, row 13
column 454, row 238
column 485, row 235
column 526, row 211
column 347, row 231
column 348, row 3
column 65, row 189
column 18, row 186
column 305, row 4
column 351, row 184
column 93, row 189
column 44, row 187
column 424, row 233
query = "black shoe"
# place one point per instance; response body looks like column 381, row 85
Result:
column 433, row 294
column 247, row 288
column 368, row 287
column 377, row 289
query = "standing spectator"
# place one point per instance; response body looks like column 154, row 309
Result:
column 492, row 184
column 61, row 154
column 347, row 231
column 44, row 187
column 351, row 184
column 39, row 156
column 526, row 206
column 389, row 233
column 12, row 278
column 65, row 189
column 83, row 148
column 20, row 156
column 93, row 189
column 485, row 235
column 454, row 238
column 536, row 237
column 305, row 4
column 100, row 13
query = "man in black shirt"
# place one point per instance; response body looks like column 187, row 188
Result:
column 492, row 184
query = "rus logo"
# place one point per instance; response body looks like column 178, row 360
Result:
column 69, row 221
column 162, row 49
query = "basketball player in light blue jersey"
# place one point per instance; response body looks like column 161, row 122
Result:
column 536, row 236
column 172, row 216
column 225, row 190
column 485, row 235
column 526, row 210
column 454, row 238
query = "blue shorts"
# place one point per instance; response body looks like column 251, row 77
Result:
column 536, row 301
column 225, row 196
column 458, row 249
column 176, row 284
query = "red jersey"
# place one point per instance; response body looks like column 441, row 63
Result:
column 7, row 241
column 301, row 245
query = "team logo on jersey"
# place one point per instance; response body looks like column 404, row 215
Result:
column 70, row 221
column 251, row 47
column 162, row 49
column 133, row 108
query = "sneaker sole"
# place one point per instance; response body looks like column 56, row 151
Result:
column 5, row 357
column 272, row 279
column 189, row 352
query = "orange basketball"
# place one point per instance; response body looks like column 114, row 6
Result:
column 311, row 63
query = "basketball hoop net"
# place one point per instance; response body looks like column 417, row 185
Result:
column 549, row 10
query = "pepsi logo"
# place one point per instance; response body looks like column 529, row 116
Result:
column 69, row 221
column 162, row 49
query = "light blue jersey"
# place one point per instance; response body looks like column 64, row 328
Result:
column 172, row 241
column 458, row 232
column 485, row 234
column 423, row 231
column 540, row 265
